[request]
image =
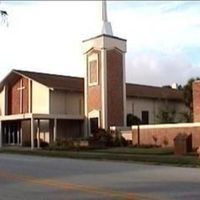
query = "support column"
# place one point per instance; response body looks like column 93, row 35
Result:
column 13, row 137
column 9, row 134
column 29, row 95
column 5, row 134
column 38, row 134
column 1, row 134
column 55, row 130
column 32, row 133
column 20, row 136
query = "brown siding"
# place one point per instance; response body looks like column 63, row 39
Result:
column 115, row 88
column 196, row 101
column 147, row 135
column 69, row 129
column 26, row 132
column 14, row 97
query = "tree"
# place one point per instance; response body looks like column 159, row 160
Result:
column 166, row 115
column 3, row 17
column 188, row 96
column 132, row 120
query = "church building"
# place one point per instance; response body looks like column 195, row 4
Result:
column 38, row 107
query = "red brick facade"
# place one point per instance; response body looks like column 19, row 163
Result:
column 94, row 98
column 196, row 101
column 165, row 136
column 94, row 91
column 115, row 88
column 15, row 98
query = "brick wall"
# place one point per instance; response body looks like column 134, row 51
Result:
column 166, row 132
column 196, row 101
column 94, row 91
column 115, row 88
column 94, row 98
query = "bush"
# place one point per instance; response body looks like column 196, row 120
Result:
column 69, row 144
column 102, row 138
column 132, row 120
column 42, row 143
column 62, row 144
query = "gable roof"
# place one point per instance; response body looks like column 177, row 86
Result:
column 76, row 84
column 54, row 81
column 146, row 91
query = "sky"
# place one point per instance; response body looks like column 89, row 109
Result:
column 163, row 37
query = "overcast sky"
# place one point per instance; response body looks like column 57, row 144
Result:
column 163, row 37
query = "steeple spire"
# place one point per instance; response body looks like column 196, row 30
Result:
column 106, row 27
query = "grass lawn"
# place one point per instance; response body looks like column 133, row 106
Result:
column 135, row 150
column 131, row 154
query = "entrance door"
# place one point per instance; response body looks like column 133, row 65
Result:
column 93, row 125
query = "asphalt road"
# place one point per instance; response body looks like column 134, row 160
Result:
column 41, row 178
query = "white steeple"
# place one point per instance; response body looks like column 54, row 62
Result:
column 106, row 26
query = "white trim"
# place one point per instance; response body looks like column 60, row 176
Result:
column 5, row 100
column 86, row 97
column 157, row 126
column 93, row 57
column 55, row 130
column 29, row 95
column 21, row 88
column 104, row 106
column 38, row 133
column 43, row 116
column 32, row 133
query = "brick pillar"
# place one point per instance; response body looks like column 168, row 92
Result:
column 105, row 94
column 196, row 101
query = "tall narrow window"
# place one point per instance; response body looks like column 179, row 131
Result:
column 93, row 72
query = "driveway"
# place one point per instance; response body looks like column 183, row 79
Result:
column 33, row 177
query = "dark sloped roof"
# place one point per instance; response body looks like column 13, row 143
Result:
column 76, row 84
column 55, row 81
column 144, row 91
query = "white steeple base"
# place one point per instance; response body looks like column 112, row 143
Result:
column 106, row 28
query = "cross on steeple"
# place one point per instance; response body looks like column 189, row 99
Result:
column 106, row 27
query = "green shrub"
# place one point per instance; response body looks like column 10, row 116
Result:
column 102, row 138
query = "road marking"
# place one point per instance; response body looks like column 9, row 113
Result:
column 69, row 186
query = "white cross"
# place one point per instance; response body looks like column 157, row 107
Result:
column 21, row 88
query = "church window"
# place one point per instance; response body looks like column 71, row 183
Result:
column 93, row 72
